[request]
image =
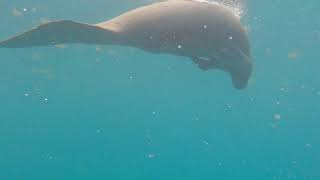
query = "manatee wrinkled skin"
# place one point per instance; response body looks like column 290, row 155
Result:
column 210, row 34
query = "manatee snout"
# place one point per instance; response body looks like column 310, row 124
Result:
column 241, row 74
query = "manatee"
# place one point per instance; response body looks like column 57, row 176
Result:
column 209, row 33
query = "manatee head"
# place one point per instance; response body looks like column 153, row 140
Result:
column 238, row 57
column 241, row 72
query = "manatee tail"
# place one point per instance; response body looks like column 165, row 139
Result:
column 61, row 32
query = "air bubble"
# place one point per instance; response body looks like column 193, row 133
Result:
column 151, row 156
column 277, row 116
column 228, row 107
column 283, row 89
column 308, row 145
column 16, row 12
column 205, row 142
column 268, row 50
column 294, row 162
column 293, row 55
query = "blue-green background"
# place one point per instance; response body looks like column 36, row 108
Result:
column 119, row 113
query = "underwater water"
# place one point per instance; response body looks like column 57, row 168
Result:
column 79, row 112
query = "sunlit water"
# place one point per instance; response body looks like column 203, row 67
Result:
column 102, row 112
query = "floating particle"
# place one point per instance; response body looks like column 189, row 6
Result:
column 268, row 50
column 148, row 139
column 277, row 116
column 292, row 55
column 150, row 37
column 26, row 94
column 278, row 102
column 230, row 38
column 294, row 162
column 205, row 142
column 308, row 145
column 61, row 46
column 98, row 60
column 16, row 12
column 130, row 77
column 25, row 10
column 98, row 131
column 51, row 157
column 151, row 156
column 153, row 113
column 291, row 108
column 36, row 56
column 45, row 99
column 283, row 89
column 317, row 34
column 228, row 107
column 98, row 49
column 34, row 10
column 179, row 46
column 205, row 26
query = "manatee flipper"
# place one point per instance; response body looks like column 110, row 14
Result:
column 204, row 63
column 60, row 32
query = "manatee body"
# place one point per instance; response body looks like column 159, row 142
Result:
column 210, row 34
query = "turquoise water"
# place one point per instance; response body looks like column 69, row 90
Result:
column 86, row 112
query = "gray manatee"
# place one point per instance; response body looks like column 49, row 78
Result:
column 210, row 34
